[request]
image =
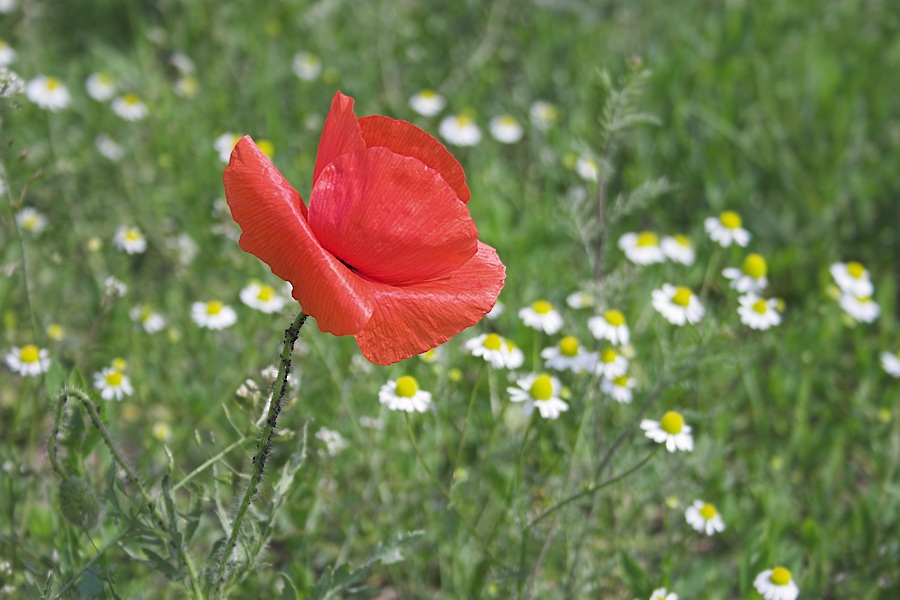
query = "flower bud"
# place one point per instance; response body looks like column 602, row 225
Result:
column 78, row 502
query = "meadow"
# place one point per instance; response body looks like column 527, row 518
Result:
column 718, row 178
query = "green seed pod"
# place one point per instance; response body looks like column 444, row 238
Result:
column 79, row 502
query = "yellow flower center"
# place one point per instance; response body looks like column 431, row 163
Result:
column 29, row 354
column 464, row 120
column 119, row 364
column 508, row 120
column 864, row 300
column 266, row 293
column 492, row 341
column 682, row 296
column 267, row 147
column 647, row 238
column 52, row 83
column 682, row 240
column 30, row 223
column 621, row 381
column 428, row 94
column 760, row 306
column 542, row 388
column 856, row 270
column 55, row 331
column 754, row 266
column 214, row 307
column 614, row 318
column 672, row 422
column 542, row 307
column 104, row 79
column 132, row 235
column 407, row 386
column 708, row 511
column 113, row 379
column 780, row 576
column 132, row 99
column 609, row 355
column 568, row 346
column 730, row 219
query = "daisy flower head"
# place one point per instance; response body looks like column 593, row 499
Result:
column 587, row 168
column 543, row 114
column 861, row 308
column 427, row 103
column 114, row 288
column 7, row 54
column 578, row 300
column 759, row 313
column 670, row 430
column 28, row 361
column 213, row 315
column 727, row 229
column 890, row 361
column 642, row 248
column 109, row 148
column 31, row 220
column 704, row 517
column 852, row 278
column 129, row 107
column 751, row 277
column 610, row 326
column 306, row 66
column 611, row 364
column 506, row 129
column 334, row 441
column 776, row 584
column 263, row 298
column 679, row 248
column 404, row 394
column 48, row 93
column 100, row 86
column 539, row 391
column 224, row 144
column 541, row 315
column 56, row 332
column 678, row 304
column 113, row 384
column 130, row 240
column 569, row 355
column 619, row 388
column 501, row 353
column 186, row 86
column 663, row 594
column 7, row 6
column 151, row 321
column 460, row 130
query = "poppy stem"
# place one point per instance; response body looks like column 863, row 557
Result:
column 264, row 445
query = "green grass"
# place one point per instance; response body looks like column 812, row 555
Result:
column 782, row 111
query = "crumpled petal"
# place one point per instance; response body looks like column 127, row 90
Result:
column 340, row 134
column 409, row 320
column 272, row 217
column 390, row 217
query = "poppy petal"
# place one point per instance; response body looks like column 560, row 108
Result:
column 407, row 139
column 340, row 134
column 272, row 217
column 390, row 217
column 409, row 320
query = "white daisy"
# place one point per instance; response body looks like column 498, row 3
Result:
column 48, row 93
column 862, row 309
column 7, row 6
column 151, row 321
column 663, row 594
column 496, row 311
column 541, row 315
column 100, row 86
column 670, row 430
column 334, row 441
column 642, row 248
column 10, row 83
column 759, row 313
column 611, row 364
column 427, row 103
column 31, row 220
column 404, row 394
column 776, row 584
column 726, row 228
column 679, row 305
column 852, row 278
column 213, row 314
column 543, row 114
column 569, row 355
column 113, row 384
column 109, row 148
column 541, row 392
column 7, row 54
column 587, row 169
column 129, row 107
column 506, row 129
column 114, row 288
column 619, row 388
column 704, row 517
column 28, row 361
column 578, row 300
column 263, row 298
column 460, row 130
column 182, row 62
column 679, row 248
column 306, row 66
column 610, row 326
column 224, row 144
column 751, row 277
column 891, row 363
column 130, row 240
column 501, row 353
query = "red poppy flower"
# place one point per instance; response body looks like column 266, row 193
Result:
column 386, row 251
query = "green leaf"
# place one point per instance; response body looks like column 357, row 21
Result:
column 636, row 575
column 55, row 379
column 90, row 586
column 289, row 592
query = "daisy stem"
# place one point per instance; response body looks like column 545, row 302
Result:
column 265, row 445
column 708, row 276
column 465, row 429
